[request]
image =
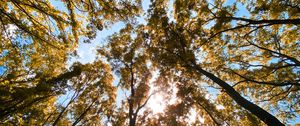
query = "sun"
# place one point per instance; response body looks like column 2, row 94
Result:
column 158, row 101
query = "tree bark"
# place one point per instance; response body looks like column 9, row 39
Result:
column 272, row 21
column 132, row 114
column 263, row 115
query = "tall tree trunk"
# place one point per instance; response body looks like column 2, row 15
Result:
column 131, row 114
column 132, row 121
column 263, row 115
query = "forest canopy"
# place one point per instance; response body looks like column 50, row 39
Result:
column 172, row 62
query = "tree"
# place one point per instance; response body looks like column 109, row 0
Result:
column 37, row 39
column 125, row 55
column 186, row 38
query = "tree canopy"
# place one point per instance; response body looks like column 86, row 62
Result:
column 211, row 62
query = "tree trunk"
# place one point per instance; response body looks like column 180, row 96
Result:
column 132, row 121
column 131, row 113
column 263, row 115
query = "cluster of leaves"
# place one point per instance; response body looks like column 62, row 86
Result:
column 37, row 38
